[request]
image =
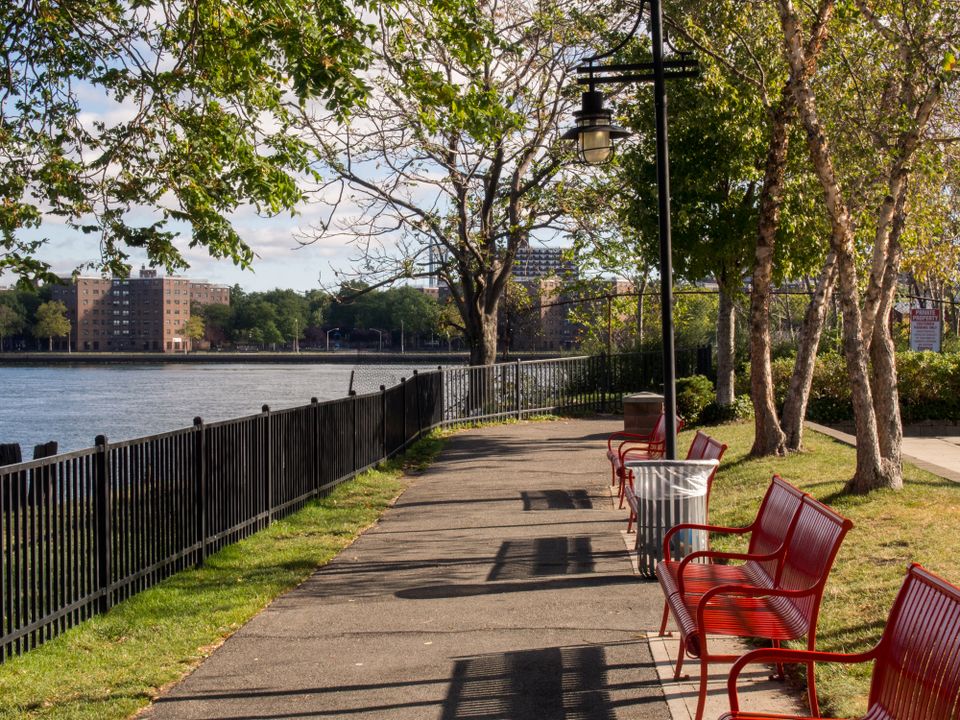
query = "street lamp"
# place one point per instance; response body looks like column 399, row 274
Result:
column 594, row 135
column 328, row 337
column 379, row 339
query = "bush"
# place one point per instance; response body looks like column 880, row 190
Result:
column 740, row 409
column 928, row 384
column 694, row 393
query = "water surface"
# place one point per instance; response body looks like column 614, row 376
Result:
column 74, row 404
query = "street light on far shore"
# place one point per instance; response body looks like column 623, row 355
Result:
column 379, row 339
column 328, row 336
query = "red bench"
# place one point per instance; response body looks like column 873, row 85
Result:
column 622, row 446
column 785, row 610
column 702, row 447
column 760, row 564
column 917, row 670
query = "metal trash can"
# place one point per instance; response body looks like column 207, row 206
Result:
column 669, row 492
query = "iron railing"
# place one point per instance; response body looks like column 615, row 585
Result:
column 84, row 530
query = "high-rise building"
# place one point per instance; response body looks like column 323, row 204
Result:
column 539, row 262
column 144, row 314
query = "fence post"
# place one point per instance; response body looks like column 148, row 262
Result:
column 403, row 412
column 516, row 390
column 383, row 421
column 356, row 432
column 416, row 389
column 315, row 442
column 268, row 455
column 104, row 524
column 441, row 397
column 604, row 381
column 200, row 472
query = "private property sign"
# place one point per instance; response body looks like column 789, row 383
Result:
column 925, row 329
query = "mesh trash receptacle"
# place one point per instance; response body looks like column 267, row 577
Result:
column 669, row 492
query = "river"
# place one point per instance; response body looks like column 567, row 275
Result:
column 75, row 403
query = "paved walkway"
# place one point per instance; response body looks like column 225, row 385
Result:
column 498, row 587
column 938, row 454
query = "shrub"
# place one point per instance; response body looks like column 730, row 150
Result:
column 694, row 393
column 928, row 384
column 740, row 409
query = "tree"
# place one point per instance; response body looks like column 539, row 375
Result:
column 454, row 164
column 194, row 328
column 893, row 104
column 717, row 145
column 52, row 322
column 10, row 322
column 198, row 95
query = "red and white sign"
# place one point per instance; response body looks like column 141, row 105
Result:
column 926, row 328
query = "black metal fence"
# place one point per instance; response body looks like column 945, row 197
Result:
column 591, row 383
column 84, row 530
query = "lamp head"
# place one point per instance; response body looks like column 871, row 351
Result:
column 594, row 134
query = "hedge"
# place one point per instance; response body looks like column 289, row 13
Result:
column 928, row 382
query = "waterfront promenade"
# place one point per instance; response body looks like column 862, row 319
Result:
column 499, row 586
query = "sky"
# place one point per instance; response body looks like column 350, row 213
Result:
column 281, row 261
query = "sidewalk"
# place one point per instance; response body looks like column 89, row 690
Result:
column 939, row 454
column 497, row 587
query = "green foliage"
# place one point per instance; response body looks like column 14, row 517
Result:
column 928, row 385
column 51, row 320
column 195, row 121
column 740, row 409
column 694, row 393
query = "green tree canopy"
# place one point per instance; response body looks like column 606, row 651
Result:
column 190, row 105
column 51, row 321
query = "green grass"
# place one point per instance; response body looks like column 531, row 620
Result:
column 920, row 523
column 112, row 665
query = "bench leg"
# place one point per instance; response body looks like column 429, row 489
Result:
column 812, row 681
column 702, row 698
column 681, row 651
column 779, row 674
column 663, row 621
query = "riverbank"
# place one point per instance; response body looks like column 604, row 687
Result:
column 338, row 357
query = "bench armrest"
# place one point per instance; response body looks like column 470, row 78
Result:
column 725, row 555
column 628, row 437
column 647, row 451
column 780, row 655
column 695, row 526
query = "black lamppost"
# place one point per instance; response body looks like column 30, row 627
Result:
column 594, row 135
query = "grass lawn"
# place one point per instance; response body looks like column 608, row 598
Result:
column 920, row 523
column 112, row 665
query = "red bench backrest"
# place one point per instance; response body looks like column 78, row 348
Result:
column 704, row 447
column 917, row 674
column 775, row 519
column 811, row 549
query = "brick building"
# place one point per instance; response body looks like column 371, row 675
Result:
column 143, row 314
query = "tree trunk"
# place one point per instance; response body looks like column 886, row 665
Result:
column 886, row 397
column 872, row 470
column 768, row 437
column 798, row 392
column 50, row 343
column 726, row 329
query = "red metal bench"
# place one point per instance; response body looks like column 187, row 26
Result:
column 917, row 670
column 622, row 446
column 786, row 611
column 760, row 564
column 702, row 447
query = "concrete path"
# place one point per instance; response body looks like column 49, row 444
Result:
column 498, row 587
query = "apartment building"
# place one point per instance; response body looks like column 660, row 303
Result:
column 142, row 314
